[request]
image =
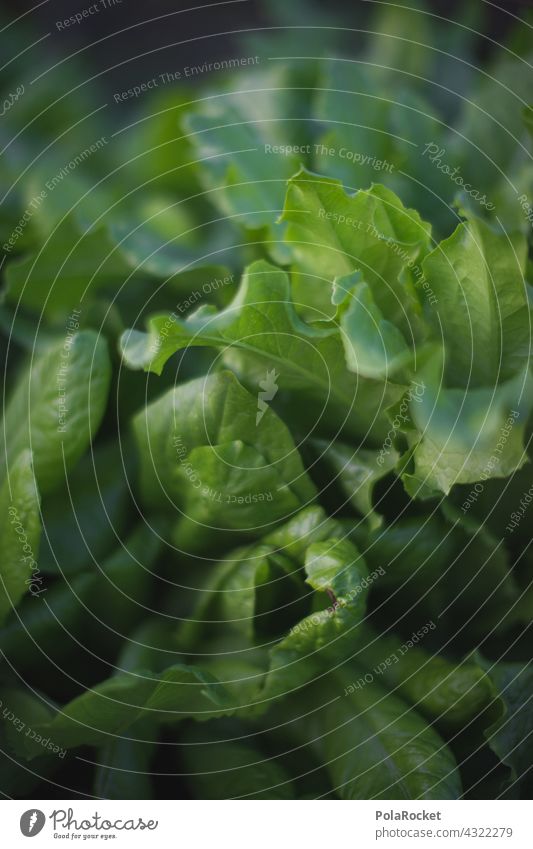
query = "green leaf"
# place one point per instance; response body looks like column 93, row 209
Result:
column 160, row 237
column 357, row 472
column 483, row 313
column 373, row 346
column 339, row 576
column 467, row 435
column 123, row 770
column 83, row 518
column 510, row 736
column 124, row 764
column 103, row 601
column 333, row 234
column 20, row 531
column 354, row 115
column 260, row 333
column 260, row 321
column 375, row 747
column 528, row 119
column 369, row 135
column 219, row 769
column 335, row 567
column 451, row 571
column 242, row 594
column 204, row 455
column 235, row 598
column 57, row 406
column 492, row 121
column 22, row 712
column 158, row 150
column 72, row 264
column 236, row 135
column 451, row 693
column 402, row 39
column 107, row 710
column 308, row 526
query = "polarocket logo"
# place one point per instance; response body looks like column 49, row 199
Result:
column 32, row 822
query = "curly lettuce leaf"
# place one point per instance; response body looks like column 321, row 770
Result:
column 332, row 234
column 482, row 313
column 465, row 435
column 261, row 335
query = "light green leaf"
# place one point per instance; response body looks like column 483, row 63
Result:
column 466, row 435
column 204, row 455
column 332, row 234
column 261, row 333
column 373, row 346
column 483, row 313
column 308, row 526
column 338, row 574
